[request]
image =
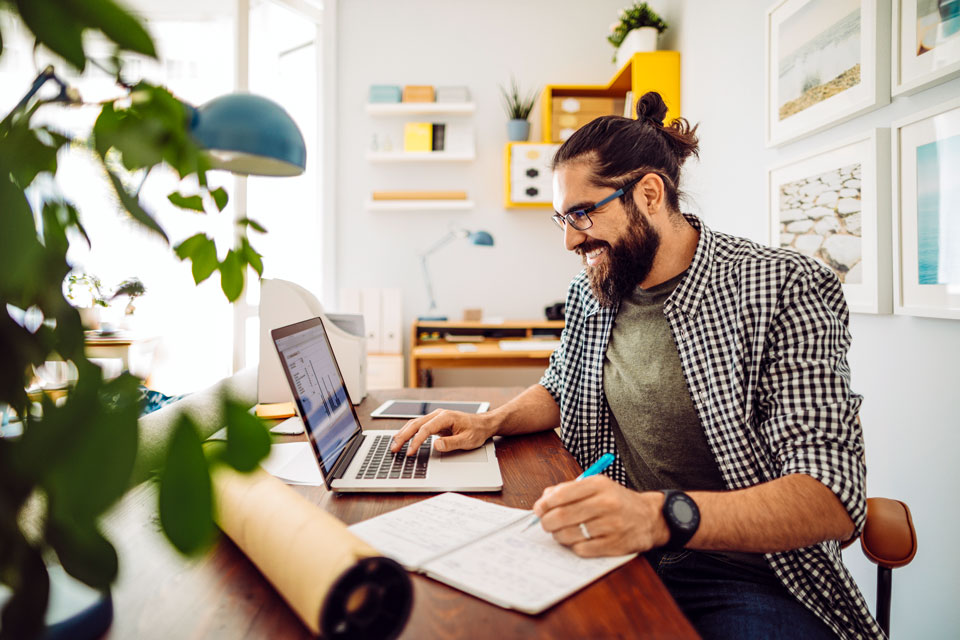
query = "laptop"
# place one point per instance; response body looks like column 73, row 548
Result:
column 351, row 459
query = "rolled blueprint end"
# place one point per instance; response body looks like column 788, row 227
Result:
column 372, row 599
column 338, row 585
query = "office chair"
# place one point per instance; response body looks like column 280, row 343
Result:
column 889, row 541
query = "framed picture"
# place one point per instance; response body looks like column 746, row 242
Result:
column 926, row 37
column 827, row 61
column 828, row 206
column 927, row 213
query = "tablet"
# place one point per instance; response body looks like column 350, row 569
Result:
column 417, row 408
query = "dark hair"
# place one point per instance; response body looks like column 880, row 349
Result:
column 622, row 149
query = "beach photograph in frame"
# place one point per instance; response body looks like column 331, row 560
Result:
column 827, row 61
column 927, row 213
column 827, row 205
column 926, row 37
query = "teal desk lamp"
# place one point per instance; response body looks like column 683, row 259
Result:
column 480, row 238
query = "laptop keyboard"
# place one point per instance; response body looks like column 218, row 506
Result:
column 380, row 463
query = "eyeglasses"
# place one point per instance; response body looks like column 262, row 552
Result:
column 580, row 219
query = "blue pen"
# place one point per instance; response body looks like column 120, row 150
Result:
column 597, row 467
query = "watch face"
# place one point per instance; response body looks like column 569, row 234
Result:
column 682, row 511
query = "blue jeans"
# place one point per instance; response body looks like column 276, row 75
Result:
column 724, row 600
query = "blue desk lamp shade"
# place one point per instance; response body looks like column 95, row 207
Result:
column 249, row 135
column 481, row 237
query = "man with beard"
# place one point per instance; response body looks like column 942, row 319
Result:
column 715, row 369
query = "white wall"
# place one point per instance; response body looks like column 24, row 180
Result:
column 906, row 368
column 901, row 365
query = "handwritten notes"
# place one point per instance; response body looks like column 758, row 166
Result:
column 483, row 549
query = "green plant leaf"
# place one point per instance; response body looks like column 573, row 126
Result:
column 251, row 256
column 120, row 26
column 84, row 552
column 248, row 441
column 231, row 275
column 220, row 197
column 132, row 205
column 253, row 224
column 202, row 252
column 55, row 28
column 186, row 493
column 194, row 203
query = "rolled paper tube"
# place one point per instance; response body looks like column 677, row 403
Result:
column 338, row 585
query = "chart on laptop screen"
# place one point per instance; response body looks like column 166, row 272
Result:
column 323, row 398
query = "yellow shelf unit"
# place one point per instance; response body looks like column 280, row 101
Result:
column 654, row 71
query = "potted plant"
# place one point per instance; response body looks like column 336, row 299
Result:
column 636, row 30
column 75, row 458
column 132, row 288
column 518, row 109
column 85, row 292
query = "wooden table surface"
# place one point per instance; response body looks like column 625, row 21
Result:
column 221, row 594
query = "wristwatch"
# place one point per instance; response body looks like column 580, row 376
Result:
column 682, row 516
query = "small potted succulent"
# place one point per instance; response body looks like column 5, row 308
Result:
column 636, row 30
column 518, row 108
column 132, row 288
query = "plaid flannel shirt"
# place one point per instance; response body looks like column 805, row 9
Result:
column 762, row 337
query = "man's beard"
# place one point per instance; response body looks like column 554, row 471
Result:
column 627, row 263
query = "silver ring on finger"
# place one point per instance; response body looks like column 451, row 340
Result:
column 583, row 530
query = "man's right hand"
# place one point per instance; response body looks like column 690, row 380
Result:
column 458, row 430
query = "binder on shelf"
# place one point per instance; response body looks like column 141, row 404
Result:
column 391, row 321
column 371, row 310
column 418, row 136
column 439, row 129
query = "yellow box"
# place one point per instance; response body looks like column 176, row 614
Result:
column 418, row 136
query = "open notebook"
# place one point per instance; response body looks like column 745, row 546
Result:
column 480, row 548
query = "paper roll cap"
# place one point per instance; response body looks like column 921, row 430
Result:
column 336, row 583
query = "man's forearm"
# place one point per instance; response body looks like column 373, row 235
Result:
column 787, row 513
column 531, row 411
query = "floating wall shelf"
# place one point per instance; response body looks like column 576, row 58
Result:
column 413, row 108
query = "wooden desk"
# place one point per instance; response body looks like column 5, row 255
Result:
column 222, row 595
column 442, row 353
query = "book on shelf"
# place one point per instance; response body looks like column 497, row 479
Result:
column 439, row 131
column 453, row 94
column 419, row 195
column 485, row 550
column 418, row 136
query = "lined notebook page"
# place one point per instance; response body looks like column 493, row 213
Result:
column 524, row 570
column 413, row 535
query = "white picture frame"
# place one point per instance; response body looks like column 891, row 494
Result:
column 804, row 60
column 926, row 163
column 814, row 210
column 926, row 49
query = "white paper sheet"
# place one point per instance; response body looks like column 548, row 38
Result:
column 413, row 535
column 524, row 570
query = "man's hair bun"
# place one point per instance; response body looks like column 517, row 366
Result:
column 651, row 108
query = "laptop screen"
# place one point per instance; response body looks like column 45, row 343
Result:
column 318, row 388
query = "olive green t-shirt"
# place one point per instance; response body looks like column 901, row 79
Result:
column 657, row 431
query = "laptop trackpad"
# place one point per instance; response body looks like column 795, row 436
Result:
column 473, row 455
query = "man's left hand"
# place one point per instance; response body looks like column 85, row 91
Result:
column 619, row 521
